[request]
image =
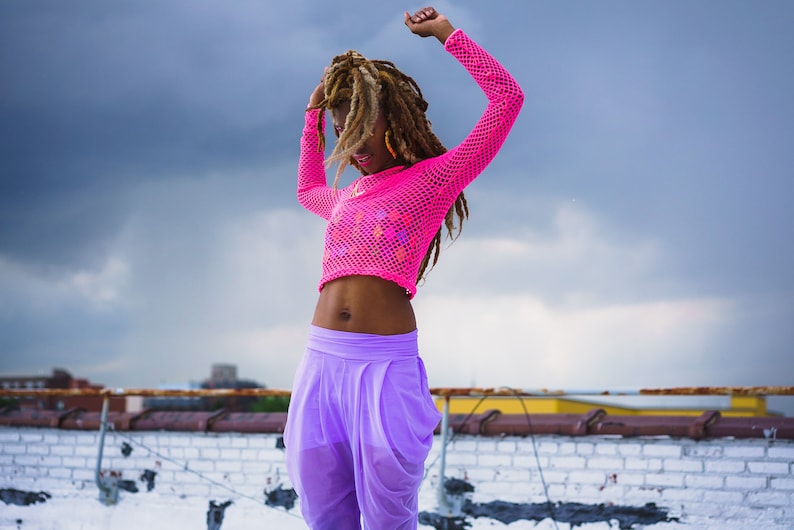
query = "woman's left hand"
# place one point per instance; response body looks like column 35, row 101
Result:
column 428, row 22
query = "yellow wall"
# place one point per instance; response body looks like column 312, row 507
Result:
column 740, row 406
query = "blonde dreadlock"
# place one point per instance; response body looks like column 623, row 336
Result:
column 372, row 87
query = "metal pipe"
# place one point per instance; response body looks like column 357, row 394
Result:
column 102, row 430
column 443, row 503
column 759, row 391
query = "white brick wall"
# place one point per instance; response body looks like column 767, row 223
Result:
column 726, row 483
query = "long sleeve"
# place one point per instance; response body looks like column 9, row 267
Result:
column 313, row 191
column 455, row 169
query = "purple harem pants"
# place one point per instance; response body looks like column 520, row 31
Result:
column 359, row 428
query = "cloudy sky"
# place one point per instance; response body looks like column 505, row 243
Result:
column 635, row 230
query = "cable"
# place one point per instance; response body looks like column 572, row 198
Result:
column 185, row 467
column 454, row 433
column 537, row 458
column 531, row 436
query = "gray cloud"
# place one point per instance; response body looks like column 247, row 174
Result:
column 148, row 224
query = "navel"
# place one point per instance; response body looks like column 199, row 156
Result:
column 345, row 314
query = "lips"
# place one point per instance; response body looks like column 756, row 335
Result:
column 363, row 159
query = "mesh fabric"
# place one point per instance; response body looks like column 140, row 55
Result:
column 382, row 224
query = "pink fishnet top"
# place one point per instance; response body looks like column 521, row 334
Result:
column 382, row 224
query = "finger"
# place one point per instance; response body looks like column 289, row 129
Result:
column 426, row 13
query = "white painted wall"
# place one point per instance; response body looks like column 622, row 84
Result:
column 714, row 484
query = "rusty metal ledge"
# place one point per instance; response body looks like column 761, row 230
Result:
column 489, row 423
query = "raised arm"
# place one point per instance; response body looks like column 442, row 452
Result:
column 454, row 170
column 313, row 191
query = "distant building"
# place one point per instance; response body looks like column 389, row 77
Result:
column 60, row 379
column 221, row 376
column 225, row 376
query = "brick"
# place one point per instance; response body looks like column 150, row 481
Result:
column 27, row 460
column 662, row 450
column 645, row 464
column 664, row 479
column 464, row 445
column 551, row 476
column 769, row 499
column 466, row 459
column 568, row 462
column 781, row 483
column 9, row 436
column 51, row 461
column 480, row 474
column 59, row 472
column 494, row 460
column 743, row 452
column 630, row 479
column 704, row 481
column 784, row 453
column 230, row 454
column 512, row 475
column 86, row 439
column 229, row 465
column 585, row 448
column 565, row 448
column 629, row 449
column 84, row 474
column 74, row 462
column 586, row 477
column 51, row 438
column 557, row 491
column 240, row 442
column 203, row 442
column 13, row 449
column 87, row 450
column 723, row 497
column 210, row 453
column 63, row 450
column 202, row 465
column 745, row 483
column 703, row 451
column 686, row 495
column 548, row 448
column 201, row 490
column 642, row 495
column 38, row 449
column 614, row 464
column 486, row 446
column 725, row 466
column 687, row 466
column 32, row 437
column 506, row 447
column 772, row 468
column 606, row 449
column 584, row 492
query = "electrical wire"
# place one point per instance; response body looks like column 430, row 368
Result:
column 537, row 458
column 516, row 393
column 184, row 466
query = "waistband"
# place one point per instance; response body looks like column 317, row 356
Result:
column 363, row 346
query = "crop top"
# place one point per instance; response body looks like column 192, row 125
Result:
column 382, row 224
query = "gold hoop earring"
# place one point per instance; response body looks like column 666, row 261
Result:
column 389, row 147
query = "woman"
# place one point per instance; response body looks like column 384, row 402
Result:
column 361, row 418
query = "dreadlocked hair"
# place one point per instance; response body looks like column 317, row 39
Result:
column 372, row 87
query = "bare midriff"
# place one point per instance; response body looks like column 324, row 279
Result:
column 364, row 304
